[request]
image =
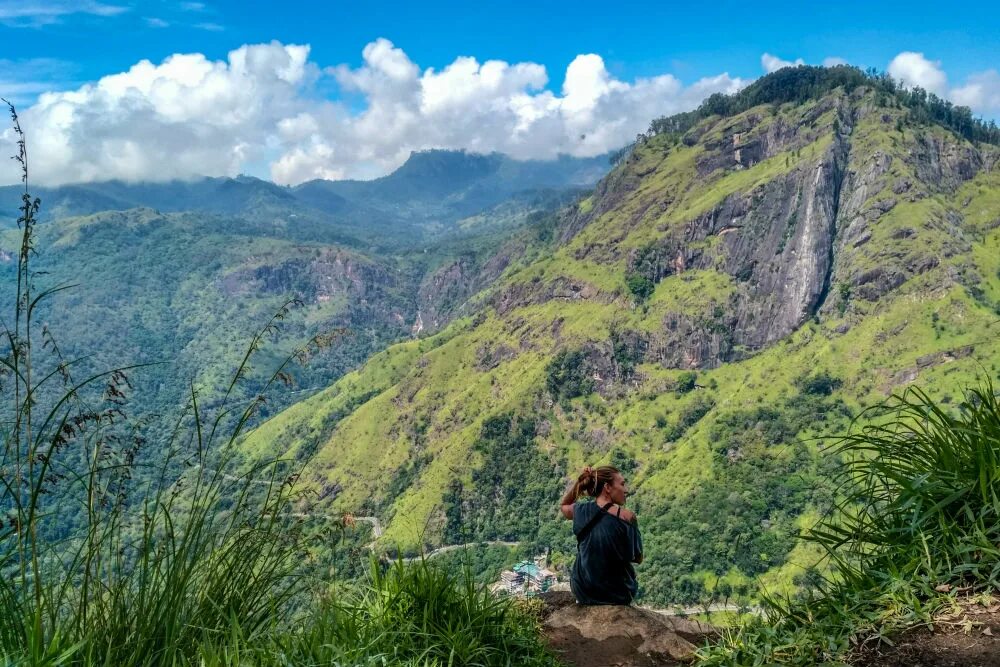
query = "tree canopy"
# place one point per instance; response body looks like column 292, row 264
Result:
column 803, row 83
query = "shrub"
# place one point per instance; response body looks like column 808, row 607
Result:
column 920, row 490
column 818, row 384
column 689, row 416
column 640, row 286
column 419, row 614
column 568, row 375
column 686, row 381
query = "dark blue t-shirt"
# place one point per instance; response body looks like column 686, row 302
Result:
column 603, row 572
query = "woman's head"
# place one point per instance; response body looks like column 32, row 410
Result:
column 604, row 480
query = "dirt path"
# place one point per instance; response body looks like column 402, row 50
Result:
column 966, row 636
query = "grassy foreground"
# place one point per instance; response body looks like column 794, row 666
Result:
column 919, row 521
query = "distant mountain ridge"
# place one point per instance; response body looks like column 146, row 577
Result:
column 426, row 196
column 467, row 181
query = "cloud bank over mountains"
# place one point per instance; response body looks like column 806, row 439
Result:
column 262, row 110
column 192, row 116
column 490, row 106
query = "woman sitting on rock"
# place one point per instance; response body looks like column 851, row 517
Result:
column 607, row 537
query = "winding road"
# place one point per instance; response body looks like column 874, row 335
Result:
column 454, row 547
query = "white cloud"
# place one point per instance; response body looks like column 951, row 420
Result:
column 981, row 92
column 833, row 61
column 37, row 13
column 193, row 6
column 262, row 108
column 183, row 117
column 211, row 27
column 488, row 106
column 190, row 116
column 772, row 63
column 154, row 22
column 913, row 69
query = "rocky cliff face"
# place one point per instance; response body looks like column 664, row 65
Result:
column 445, row 292
column 316, row 275
column 792, row 241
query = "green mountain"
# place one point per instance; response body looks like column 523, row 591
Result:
column 750, row 276
column 182, row 274
column 449, row 185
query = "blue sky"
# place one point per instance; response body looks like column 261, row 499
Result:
column 344, row 122
column 688, row 39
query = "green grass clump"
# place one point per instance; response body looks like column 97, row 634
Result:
column 419, row 614
column 926, row 493
column 108, row 555
column 918, row 518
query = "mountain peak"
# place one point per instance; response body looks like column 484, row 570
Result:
column 806, row 82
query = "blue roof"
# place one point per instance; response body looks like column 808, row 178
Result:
column 528, row 568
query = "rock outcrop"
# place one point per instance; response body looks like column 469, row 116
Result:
column 602, row 636
column 445, row 292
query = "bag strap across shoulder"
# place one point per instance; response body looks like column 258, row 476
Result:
column 593, row 522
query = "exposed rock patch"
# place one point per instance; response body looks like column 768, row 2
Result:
column 444, row 293
column 602, row 636
column 519, row 295
column 910, row 374
column 489, row 356
column 312, row 278
column 968, row 636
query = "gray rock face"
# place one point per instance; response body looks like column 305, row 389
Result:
column 445, row 292
column 312, row 277
column 787, row 242
column 588, row 636
column 775, row 241
column 854, row 221
column 787, row 249
column 925, row 170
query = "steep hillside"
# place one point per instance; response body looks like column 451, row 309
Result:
column 741, row 282
column 186, row 292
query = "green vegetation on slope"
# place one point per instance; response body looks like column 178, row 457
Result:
column 803, row 83
column 175, row 561
column 687, row 374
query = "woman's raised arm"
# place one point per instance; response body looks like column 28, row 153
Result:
column 568, row 501
column 584, row 481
